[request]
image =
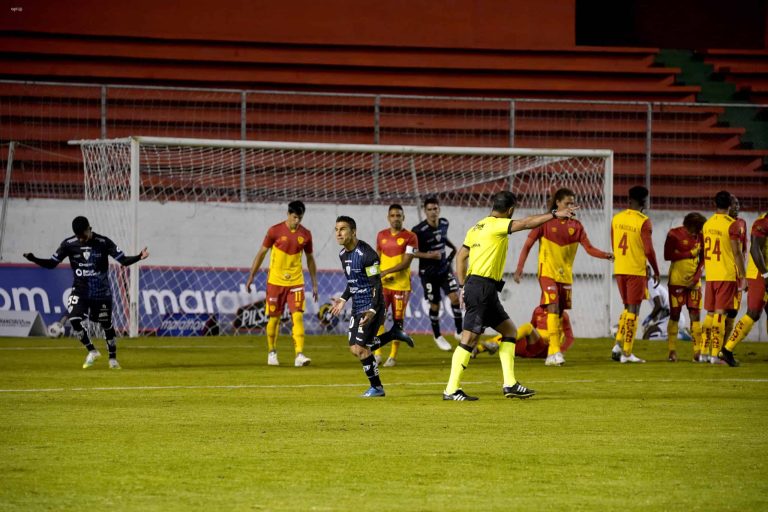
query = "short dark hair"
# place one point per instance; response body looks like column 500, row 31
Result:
column 723, row 200
column 297, row 207
column 695, row 221
column 559, row 195
column 431, row 200
column 395, row 207
column 503, row 201
column 638, row 193
column 349, row 220
column 80, row 225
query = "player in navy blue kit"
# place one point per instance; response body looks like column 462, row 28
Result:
column 361, row 268
column 435, row 269
column 88, row 254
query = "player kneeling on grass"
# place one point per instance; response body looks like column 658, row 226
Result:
column 88, row 254
column 479, row 267
column 361, row 268
column 532, row 337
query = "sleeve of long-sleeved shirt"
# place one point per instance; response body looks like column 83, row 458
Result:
column 346, row 294
column 646, row 233
column 532, row 237
column 591, row 249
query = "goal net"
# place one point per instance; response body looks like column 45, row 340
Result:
column 202, row 207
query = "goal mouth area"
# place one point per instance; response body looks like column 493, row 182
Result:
column 176, row 194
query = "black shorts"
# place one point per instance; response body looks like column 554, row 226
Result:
column 433, row 284
column 95, row 310
column 483, row 308
column 364, row 335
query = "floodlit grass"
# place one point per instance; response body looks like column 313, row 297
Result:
column 205, row 424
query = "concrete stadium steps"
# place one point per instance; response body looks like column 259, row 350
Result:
column 609, row 73
column 747, row 69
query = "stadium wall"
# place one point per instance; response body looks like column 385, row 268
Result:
column 499, row 24
column 227, row 237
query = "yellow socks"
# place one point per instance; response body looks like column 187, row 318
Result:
column 620, row 332
column 507, row 357
column 696, row 335
column 672, row 335
column 298, row 332
column 706, row 338
column 272, row 325
column 718, row 327
column 395, row 346
column 523, row 331
column 740, row 331
column 728, row 328
column 630, row 328
column 459, row 363
column 553, row 330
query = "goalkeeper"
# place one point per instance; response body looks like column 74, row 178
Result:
column 91, row 297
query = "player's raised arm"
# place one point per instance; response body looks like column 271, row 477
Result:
column 49, row 263
column 130, row 260
column 534, row 221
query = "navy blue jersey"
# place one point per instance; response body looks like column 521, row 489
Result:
column 433, row 239
column 361, row 268
column 90, row 264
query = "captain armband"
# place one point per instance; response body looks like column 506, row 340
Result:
column 373, row 270
column 765, row 276
column 410, row 250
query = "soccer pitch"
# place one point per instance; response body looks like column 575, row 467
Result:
column 205, row 424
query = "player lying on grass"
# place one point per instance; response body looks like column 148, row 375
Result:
column 532, row 337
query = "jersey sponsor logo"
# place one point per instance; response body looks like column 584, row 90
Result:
column 283, row 238
column 86, row 273
column 554, row 229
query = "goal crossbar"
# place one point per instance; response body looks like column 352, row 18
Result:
column 352, row 148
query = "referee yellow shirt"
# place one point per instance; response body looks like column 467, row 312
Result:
column 487, row 242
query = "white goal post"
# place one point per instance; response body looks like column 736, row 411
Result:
column 203, row 207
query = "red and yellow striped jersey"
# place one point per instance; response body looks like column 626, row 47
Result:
column 630, row 232
column 285, row 257
column 759, row 230
column 719, row 262
column 559, row 240
column 683, row 250
column 392, row 248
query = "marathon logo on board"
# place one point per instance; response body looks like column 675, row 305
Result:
column 186, row 324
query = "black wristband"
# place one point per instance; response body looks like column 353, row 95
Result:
column 554, row 214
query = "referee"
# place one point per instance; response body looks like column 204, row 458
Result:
column 479, row 268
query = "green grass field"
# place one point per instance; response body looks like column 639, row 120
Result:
column 205, row 424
